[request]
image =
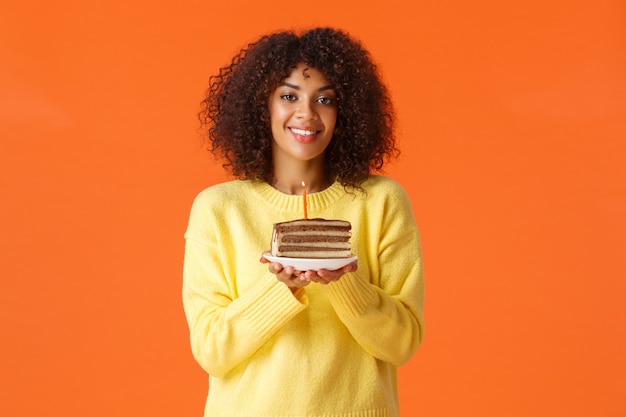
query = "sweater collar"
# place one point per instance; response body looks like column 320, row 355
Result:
column 315, row 201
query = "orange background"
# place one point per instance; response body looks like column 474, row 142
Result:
column 512, row 125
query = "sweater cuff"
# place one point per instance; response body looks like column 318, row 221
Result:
column 300, row 295
column 271, row 305
column 352, row 294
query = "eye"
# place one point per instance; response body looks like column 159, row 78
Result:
column 325, row 100
column 288, row 97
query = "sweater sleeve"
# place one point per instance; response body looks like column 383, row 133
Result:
column 226, row 330
column 386, row 318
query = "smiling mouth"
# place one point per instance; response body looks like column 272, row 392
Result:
column 304, row 132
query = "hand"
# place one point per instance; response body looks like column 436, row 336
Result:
column 324, row 276
column 299, row 279
column 287, row 275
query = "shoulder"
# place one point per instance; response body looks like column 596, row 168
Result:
column 228, row 187
column 214, row 201
column 388, row 196
column 378, row 186
column 212, row 205
column 221, row 193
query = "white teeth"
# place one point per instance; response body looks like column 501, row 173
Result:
column 303, row 132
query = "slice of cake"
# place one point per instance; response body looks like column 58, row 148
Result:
column 312, row 238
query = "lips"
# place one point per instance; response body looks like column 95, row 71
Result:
column 304, row 135
column 303, row 132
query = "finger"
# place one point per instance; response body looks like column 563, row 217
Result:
column 315, row 277
column 303, row 278
column 295, row 281
column 326, row 274
column 321, row 280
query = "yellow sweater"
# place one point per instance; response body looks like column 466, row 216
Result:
column 327, row 350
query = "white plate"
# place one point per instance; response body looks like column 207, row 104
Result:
column 310, row 264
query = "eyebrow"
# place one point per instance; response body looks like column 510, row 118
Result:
column 295, row 87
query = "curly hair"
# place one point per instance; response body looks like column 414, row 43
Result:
column 236, row 111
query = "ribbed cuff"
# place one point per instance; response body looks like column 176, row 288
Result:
column 270, row 305
column 300, row 295
column 352, row 294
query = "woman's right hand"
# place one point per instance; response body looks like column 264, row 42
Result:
column 288, row 275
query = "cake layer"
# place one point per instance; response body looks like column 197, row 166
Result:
column 319, row 254
column 312, row 238
column 318, row 237
column 314, row 245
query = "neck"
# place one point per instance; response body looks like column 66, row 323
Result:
column 288, row 178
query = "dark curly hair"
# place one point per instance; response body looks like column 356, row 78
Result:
column 236, row 110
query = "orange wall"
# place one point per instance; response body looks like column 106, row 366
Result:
column 512, row 125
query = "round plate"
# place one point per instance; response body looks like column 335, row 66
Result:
column 310, row 264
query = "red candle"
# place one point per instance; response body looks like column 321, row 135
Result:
column 304, row 200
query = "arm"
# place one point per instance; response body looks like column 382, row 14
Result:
column 386, row 318
column 227, row 328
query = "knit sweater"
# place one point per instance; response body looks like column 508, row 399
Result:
column 326, row 350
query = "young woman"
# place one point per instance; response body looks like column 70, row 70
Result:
column 293, row 108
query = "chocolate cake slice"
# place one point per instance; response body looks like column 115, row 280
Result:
column 312, row 238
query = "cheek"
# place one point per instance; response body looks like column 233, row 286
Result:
column 277, row 114
column 331, row 119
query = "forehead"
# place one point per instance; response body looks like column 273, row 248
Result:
column 303, row 73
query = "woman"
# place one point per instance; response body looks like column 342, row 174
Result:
column 289, row 109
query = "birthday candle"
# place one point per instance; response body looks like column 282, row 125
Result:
column 304, row 200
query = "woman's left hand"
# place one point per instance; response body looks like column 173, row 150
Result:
column 324, row 276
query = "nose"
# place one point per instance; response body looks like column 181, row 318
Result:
column 306, row 111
